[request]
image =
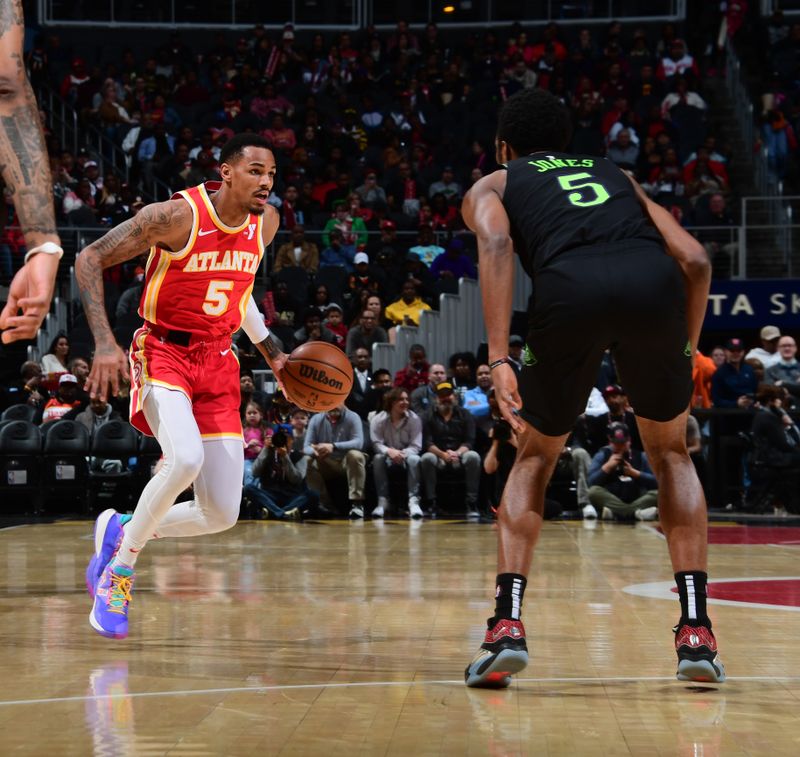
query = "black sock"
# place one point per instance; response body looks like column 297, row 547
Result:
column 508, row 596
column 692, row 592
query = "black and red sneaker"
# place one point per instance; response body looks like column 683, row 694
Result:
column 698, row 659
column 503, row 653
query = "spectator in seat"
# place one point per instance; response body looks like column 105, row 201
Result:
column 623, row 151
column 682, row 96
column 447, row 185
column 249, row 393
column 361, row 400
column 678, row 63
column 703, row 176
column 204, row 168
column 426, row 248
column 291, row 211
column 734, row 384
column 720, row 244
column 387, row 239
column 406, row 310
column 417, row 271
column 767, row 353
column 333, row 442
column 786, row 372
column 337, row 252
column 57, row 357
column 476, row 400
column 28, row 389
column 454, row 264
column 297, row 252
column 65, row 401
column 254, row 436
column 463, row 366
column 352, row 228
column 423, row 397
column 334, row 322
column 618, row 412
column 79, row 367
column 366, row 333
column 313, row 330
column 443, row 217
column 776, row 442
column 520, row 74
column 396, row 434
column 97, row 414
column 278, row 487
column 516, row 345
column 665, row 181
column 80, row 199
column 621, row 482
column 448, row 438
column 370, row 191
column 362, row 278
column 415, row 373
column 280, row 135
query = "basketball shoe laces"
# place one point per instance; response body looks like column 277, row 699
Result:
column 120, row 593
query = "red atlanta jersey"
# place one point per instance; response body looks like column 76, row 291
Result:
column 204, row 288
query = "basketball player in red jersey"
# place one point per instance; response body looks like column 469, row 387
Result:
column 206, row 244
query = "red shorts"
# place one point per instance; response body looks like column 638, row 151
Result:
column 207, row 372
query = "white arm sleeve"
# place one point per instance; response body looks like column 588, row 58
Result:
column 253, row 323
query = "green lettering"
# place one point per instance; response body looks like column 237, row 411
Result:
column 571, row 162
column 558, row 163
column 587, row 163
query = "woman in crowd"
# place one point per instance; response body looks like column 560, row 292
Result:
column 57, row 357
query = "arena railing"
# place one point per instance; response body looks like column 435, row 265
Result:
column 757, row 249
column 358, row 14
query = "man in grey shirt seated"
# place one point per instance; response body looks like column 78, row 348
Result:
column 396, row 434
column 367, row 333
column 333, row 442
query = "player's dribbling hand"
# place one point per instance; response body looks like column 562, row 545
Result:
column 507, row 395
column 31, row 291
column 108, row 365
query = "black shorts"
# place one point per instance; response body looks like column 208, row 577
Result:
column 630, row 299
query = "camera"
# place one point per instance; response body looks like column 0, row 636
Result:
column 280, row 439
column 502, row 431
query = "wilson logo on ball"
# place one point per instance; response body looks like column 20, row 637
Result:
column 320, row 377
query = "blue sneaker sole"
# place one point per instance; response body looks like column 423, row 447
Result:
column 102, row 631
column 92, row 571
column 496, row 675
column 701, row 671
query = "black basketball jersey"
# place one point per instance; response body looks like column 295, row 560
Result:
column 558, row 202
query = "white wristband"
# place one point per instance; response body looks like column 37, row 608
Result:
column 48, row 248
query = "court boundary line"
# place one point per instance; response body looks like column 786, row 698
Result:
column 368, row 684
column 663, row 590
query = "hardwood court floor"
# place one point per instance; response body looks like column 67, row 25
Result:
column 351, row 639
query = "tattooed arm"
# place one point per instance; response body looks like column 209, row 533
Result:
column 166, row 224
column 25, row 168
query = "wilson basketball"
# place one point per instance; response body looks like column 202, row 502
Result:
column 317, row 376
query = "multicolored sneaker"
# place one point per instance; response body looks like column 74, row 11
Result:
column 698, row 659
column 109, row 616
column 107, row 538
column 503, row 653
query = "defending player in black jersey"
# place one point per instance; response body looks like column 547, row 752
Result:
column 610, row 269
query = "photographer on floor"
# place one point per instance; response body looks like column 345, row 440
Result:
column 280, row 490
column 621, row 482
